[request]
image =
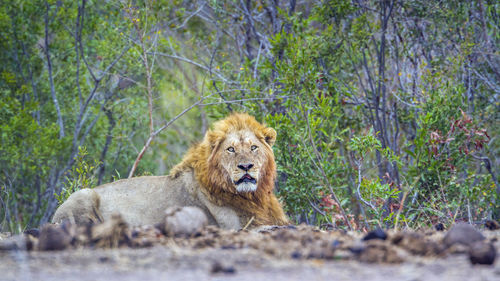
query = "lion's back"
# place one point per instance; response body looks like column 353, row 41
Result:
column 143, row 200
column 139, row 200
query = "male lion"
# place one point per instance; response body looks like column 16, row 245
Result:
column 229, row 175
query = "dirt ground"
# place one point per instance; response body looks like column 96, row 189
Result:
column 290, row 253
column 164, row 263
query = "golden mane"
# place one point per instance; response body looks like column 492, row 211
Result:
column 204, row 159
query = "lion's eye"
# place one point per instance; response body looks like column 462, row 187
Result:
column 254, row 147
column 230, row 149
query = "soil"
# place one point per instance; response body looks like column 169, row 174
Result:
column 284, row 253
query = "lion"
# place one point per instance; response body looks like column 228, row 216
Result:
column 229, row 175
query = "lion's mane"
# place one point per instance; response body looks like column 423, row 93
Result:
column 204, row 159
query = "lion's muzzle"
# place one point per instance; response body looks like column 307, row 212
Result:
column 246, row 183
column 246, row 178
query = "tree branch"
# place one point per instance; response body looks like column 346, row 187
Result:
column 51, row 78
column 155, row 133
column 323, row 173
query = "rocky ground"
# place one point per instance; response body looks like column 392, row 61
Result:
column 113, row 251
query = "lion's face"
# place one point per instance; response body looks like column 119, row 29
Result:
column 242, row 156
column 235, row 157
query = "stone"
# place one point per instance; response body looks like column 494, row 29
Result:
column 12, row 243
column 482, row 252
column 218, row 267
column 378, row 233
column 185, row 221
column 53, row 238
column 492, row 225
column 462, row 233
column 439, row 227
column 111, row 233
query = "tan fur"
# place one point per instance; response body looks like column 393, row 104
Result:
column 205, row 178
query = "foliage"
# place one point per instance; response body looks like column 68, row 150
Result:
column 81, row 175
column 386, row 111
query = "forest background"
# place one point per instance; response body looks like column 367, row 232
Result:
column 387, row 111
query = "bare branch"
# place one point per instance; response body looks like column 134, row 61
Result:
column 155, row 133
column 323, row 173
column 242, row 100
column 190, row 16
column 193, row 63
column 359, row 167
column 49, row 68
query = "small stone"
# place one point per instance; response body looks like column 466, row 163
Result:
column 492, row 225
column 375, row 234
column 4, row 235
column 185, row 221
column 145, row 236
column 357, row 247
column 335, row 244
column 439, row 227
column 217, row 267
column 12, row 243
column 31, row 242
column 53, row 238
column 111, row 233
column 33, row 232
column 482, row 253
column 462, row 233
column 416, row 243
column 296, row 255
column 379, row 251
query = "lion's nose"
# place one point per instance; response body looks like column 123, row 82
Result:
column 245, row 167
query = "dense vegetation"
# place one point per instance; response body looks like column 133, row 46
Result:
column 387, row 111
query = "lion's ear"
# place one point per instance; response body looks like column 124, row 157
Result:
column 213, row 139
column 270, row 135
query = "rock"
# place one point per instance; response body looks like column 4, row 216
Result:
column 378, row 233
column 185, row 221
column 33, row 232
column 296, row 255
column 111, row 233
column 357, row 247
column 31, row 242
column 145, row 236
column 53, row 237
column 379, row 251
column 321, row 250
column 491, row 225
column 482, row 252
column 439, row 227
column 416, row 243
column 4, row 235
column 12, row 243
column 462, row 233
column 218, row 267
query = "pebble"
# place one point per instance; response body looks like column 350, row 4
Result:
column 439, row 227
column 218, row 267
column 492, row 225
column 378, row 233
